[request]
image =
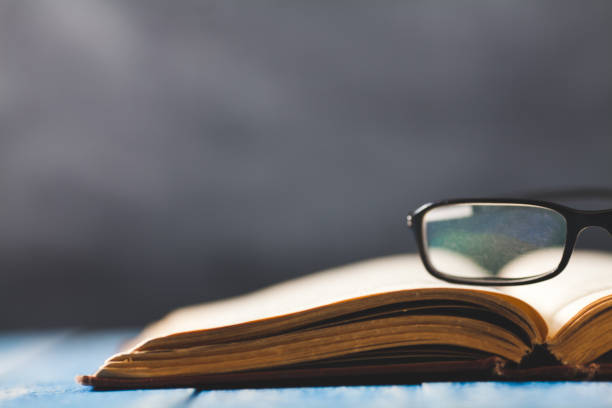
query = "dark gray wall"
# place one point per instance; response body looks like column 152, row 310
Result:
column 155, row 154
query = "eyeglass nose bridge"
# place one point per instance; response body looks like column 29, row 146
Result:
column 586, row 219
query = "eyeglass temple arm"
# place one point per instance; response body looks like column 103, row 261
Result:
column 581, row 192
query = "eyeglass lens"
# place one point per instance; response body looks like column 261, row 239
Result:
column 489, row 240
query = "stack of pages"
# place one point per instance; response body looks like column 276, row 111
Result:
column 380, row 321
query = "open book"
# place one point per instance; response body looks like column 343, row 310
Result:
column 380, row 321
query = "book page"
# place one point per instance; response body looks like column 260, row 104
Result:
column 387, row 274
column 587, row 278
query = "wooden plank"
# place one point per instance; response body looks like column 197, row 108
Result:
column 468, row 395
column 38, row 369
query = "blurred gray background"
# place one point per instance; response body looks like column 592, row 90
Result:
column 155, row 154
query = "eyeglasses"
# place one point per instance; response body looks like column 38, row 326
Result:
column 499, row 242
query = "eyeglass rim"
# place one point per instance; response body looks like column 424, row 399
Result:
column 576, row 220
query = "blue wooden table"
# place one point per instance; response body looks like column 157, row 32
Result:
column 38, row 370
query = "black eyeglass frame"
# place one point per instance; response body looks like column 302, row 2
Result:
column 576, row 221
